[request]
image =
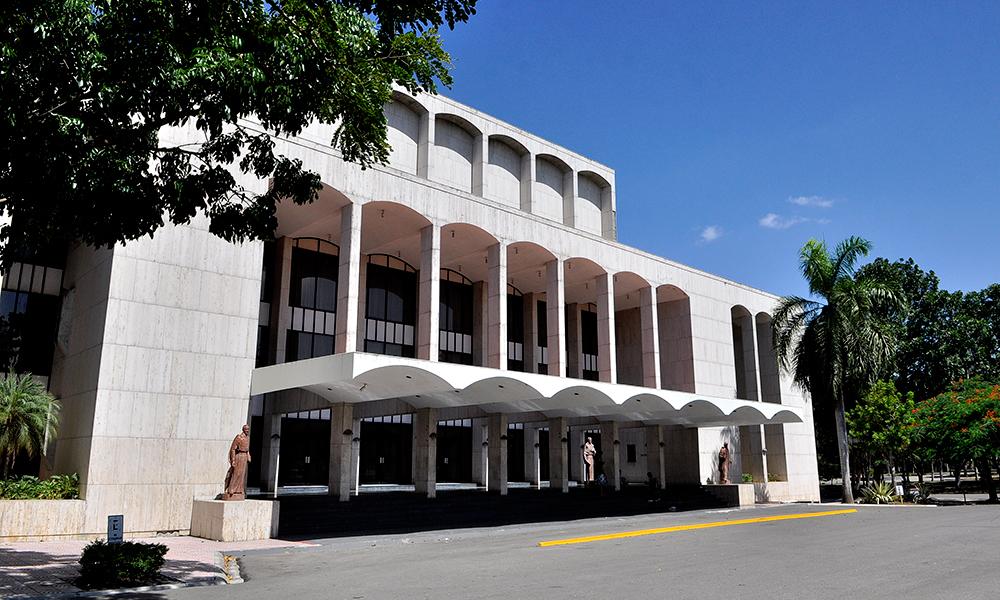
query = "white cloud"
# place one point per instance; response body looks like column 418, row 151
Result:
column 711, row 233
column 776, row 221
column 817, row 201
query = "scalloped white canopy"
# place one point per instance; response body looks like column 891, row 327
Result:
column 361, row 377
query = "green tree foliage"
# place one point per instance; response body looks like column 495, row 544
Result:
column 841, row 338
column 945, row 336
column 962, row 424
column 28, row 416
column 87, row 85
column 880, row 424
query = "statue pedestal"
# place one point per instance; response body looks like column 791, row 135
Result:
column 234, row 521
column 733, row 494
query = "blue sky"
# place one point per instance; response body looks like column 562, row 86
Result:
column 739, row 130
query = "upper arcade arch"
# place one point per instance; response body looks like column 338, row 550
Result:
column 457, row 151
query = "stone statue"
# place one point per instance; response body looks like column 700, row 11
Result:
column 588, row 457
column 239, row 456
column 724, row 463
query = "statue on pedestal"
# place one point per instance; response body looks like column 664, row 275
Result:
column 724, row 463
column 588, row 457
column 239, row 456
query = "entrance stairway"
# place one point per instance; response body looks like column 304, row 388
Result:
column 402, row 512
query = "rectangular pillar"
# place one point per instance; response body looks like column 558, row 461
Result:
column 271, row 443
column 655, row 444
column 555, row 300
column 497, row 307
column 606, row 360
column 480, row 156
column 429, row 293
column 341, row 422
column 425, row 140
column 281, row 313
column 348, row 282
column 480, row 455
column 425, row 451
column 650, row 339
column 558, row 455
column 574, row 340
column 531, row 453
column 527, row 180
column 610, row 454
column 498, row 453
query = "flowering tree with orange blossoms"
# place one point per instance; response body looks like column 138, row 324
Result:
column 963, row 424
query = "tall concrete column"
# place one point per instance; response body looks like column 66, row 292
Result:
column 610, row 454
column 281, row 313
column 527, row 180
column 650, row 339
column 606, row 359
column 574, row 339
column 655, row 445
column 480, row 157
column 425, row 451
column 480, row 454
column 530, row 333
column 497, row 307
column 271, row 437
column 498, row 453
column 341, row 450
column 429, row 296
column 558, row 455
column 349, row 279
column 569, row 198
column 356, row 457
column 555, row 300
column 531, row 453
column 425, row 140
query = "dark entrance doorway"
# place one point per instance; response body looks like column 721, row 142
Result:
column 515, row 452
column 305, row 449
column 454, row 451
column 543, row 454
column 386, row 450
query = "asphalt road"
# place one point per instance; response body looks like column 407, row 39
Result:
column 906, row 553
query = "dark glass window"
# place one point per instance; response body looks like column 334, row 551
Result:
column 588, row 344
column 543, row 337
column 455, row 318
column 630, row 453
column 30, row 306
column 266, row 295
column 515, row 329
column 390, row 306
column 313, row 299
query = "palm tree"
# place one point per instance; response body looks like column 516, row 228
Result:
column 842, row 339
column 28, row 418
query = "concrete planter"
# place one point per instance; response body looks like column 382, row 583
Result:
column 733, row 494
column 40, row 520
column 240, row 521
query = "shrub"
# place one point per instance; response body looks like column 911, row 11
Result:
column 881, row 492
column 128, row 564
column 747, row 478
column 56, row 487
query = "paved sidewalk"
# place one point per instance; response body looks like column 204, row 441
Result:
column 33, row 569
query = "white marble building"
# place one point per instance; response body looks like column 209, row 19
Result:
column 464, row 313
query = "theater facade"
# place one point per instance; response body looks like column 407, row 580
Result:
column 462, row 315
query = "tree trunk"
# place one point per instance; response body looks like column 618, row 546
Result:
column 845, row 451
column 986, row 475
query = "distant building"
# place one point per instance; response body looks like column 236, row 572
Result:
column 464, row 314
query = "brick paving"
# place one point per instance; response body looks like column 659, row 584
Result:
column 33, row 569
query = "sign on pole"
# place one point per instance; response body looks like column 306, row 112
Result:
column 116, row 526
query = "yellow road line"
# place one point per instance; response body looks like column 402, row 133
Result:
column 641, row 532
